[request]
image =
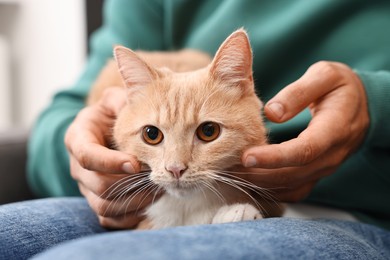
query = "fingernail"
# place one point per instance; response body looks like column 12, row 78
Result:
column 250, row 161
column 128, row 167
column 276, row 109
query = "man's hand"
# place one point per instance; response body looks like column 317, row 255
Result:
column 98, row 169
column 338, row 104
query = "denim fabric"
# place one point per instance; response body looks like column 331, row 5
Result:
column 277, row 238
column 27, row 228
column 31, row 227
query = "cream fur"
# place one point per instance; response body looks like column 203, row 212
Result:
column 177, row 103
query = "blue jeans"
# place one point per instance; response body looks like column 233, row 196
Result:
column 43, row 226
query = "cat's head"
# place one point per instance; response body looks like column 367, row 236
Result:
column 189, row 126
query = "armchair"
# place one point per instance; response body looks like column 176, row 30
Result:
column 13, row 156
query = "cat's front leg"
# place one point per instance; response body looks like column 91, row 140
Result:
column 236, row 212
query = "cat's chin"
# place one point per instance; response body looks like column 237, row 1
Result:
column 180, row 191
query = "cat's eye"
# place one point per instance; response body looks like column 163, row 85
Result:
column 152, row 135
column 208, row 131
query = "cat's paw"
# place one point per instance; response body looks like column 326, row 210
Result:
column 236, row 212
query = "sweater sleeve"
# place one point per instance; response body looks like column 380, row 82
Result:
column 135, row 24
column 377, row 85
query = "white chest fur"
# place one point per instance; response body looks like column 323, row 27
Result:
column 171, row 210
column 200, row 208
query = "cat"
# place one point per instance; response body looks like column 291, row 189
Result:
column 189, row 118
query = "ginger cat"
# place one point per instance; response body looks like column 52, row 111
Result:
column 189, row 118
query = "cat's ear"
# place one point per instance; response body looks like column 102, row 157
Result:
column 232, row 63
column 134, row 70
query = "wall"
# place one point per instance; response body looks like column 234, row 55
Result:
column 46, row 52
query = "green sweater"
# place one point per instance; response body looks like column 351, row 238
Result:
column 287, row 37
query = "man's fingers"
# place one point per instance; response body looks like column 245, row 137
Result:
column 319, row 79
column 129, row 220
column 288, row 177
column 105, row 185
column 322, row 134
column 288, row 184
column 297, row 194
column 95, row 157
column 120, row 204
column 295, row 152
column 87, row 147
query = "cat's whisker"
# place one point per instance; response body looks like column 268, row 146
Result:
column 254, row 173
column 234, row 185
column 214, row 190
column 263, row 193
column 240, row 172
column 259, row 190
column 117, row 187
column 125, row 190
column 152, row 188
column 141, row 189
column 121, row 182
column 122, row 191
column 199, row 187
column 229, row 182
column 128, row 188
column 157, row 191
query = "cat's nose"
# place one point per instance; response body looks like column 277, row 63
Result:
column 176, row 170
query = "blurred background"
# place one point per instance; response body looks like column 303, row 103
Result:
column 43, row 47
